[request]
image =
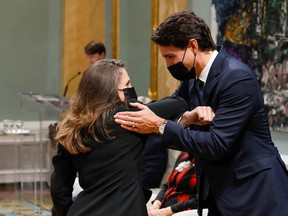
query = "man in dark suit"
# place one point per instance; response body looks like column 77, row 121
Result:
column 239, row 170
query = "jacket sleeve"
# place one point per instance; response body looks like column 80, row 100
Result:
column 62, row 180
column 169, row 107
column 161, row 195
column 182, row 206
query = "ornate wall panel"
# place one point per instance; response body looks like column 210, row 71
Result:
column 83, row 21
column 166, row 84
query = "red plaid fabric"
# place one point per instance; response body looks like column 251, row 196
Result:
column 180, row 190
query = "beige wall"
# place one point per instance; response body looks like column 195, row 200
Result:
column 83, row 21
column 166, row 84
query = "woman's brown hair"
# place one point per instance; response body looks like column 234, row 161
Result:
column 91, row 106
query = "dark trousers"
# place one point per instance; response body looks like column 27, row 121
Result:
column 211, row 205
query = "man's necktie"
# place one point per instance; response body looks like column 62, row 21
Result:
column 200, row 91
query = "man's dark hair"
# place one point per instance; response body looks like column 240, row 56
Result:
column 179, row 28
column 94, row 47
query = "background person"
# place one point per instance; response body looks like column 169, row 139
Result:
column 179, row 193
column 237, row 165
column 95, row 51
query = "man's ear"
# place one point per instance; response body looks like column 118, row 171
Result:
column 193, row 44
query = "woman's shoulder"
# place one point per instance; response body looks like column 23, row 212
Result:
column 122, row 107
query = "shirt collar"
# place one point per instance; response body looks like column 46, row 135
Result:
column 204, row 74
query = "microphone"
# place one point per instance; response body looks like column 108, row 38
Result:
column 66, row 87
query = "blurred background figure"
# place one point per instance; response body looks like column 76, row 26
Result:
column 179, row 193
column 95, row 51
column 154, row 162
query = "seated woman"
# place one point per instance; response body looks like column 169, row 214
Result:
column 106, row 157
column 179, row 193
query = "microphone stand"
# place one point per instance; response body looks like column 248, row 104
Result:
column 66, row 87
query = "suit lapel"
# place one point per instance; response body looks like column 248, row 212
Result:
column 212, row 80
column 192, row 100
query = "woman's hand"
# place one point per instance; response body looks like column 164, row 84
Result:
column 160, row 212
column 156, row 205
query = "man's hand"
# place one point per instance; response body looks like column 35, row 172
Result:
column 201, row 115
column 144, row 121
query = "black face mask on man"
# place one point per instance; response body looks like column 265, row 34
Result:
column 180, row 72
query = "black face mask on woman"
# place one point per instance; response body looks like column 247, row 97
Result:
column 180, row 72
column 130, row 94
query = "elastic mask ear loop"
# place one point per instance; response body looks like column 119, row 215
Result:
column 194, row 60
column 184, row 55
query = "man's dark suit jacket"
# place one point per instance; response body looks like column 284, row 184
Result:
column 244, row 170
